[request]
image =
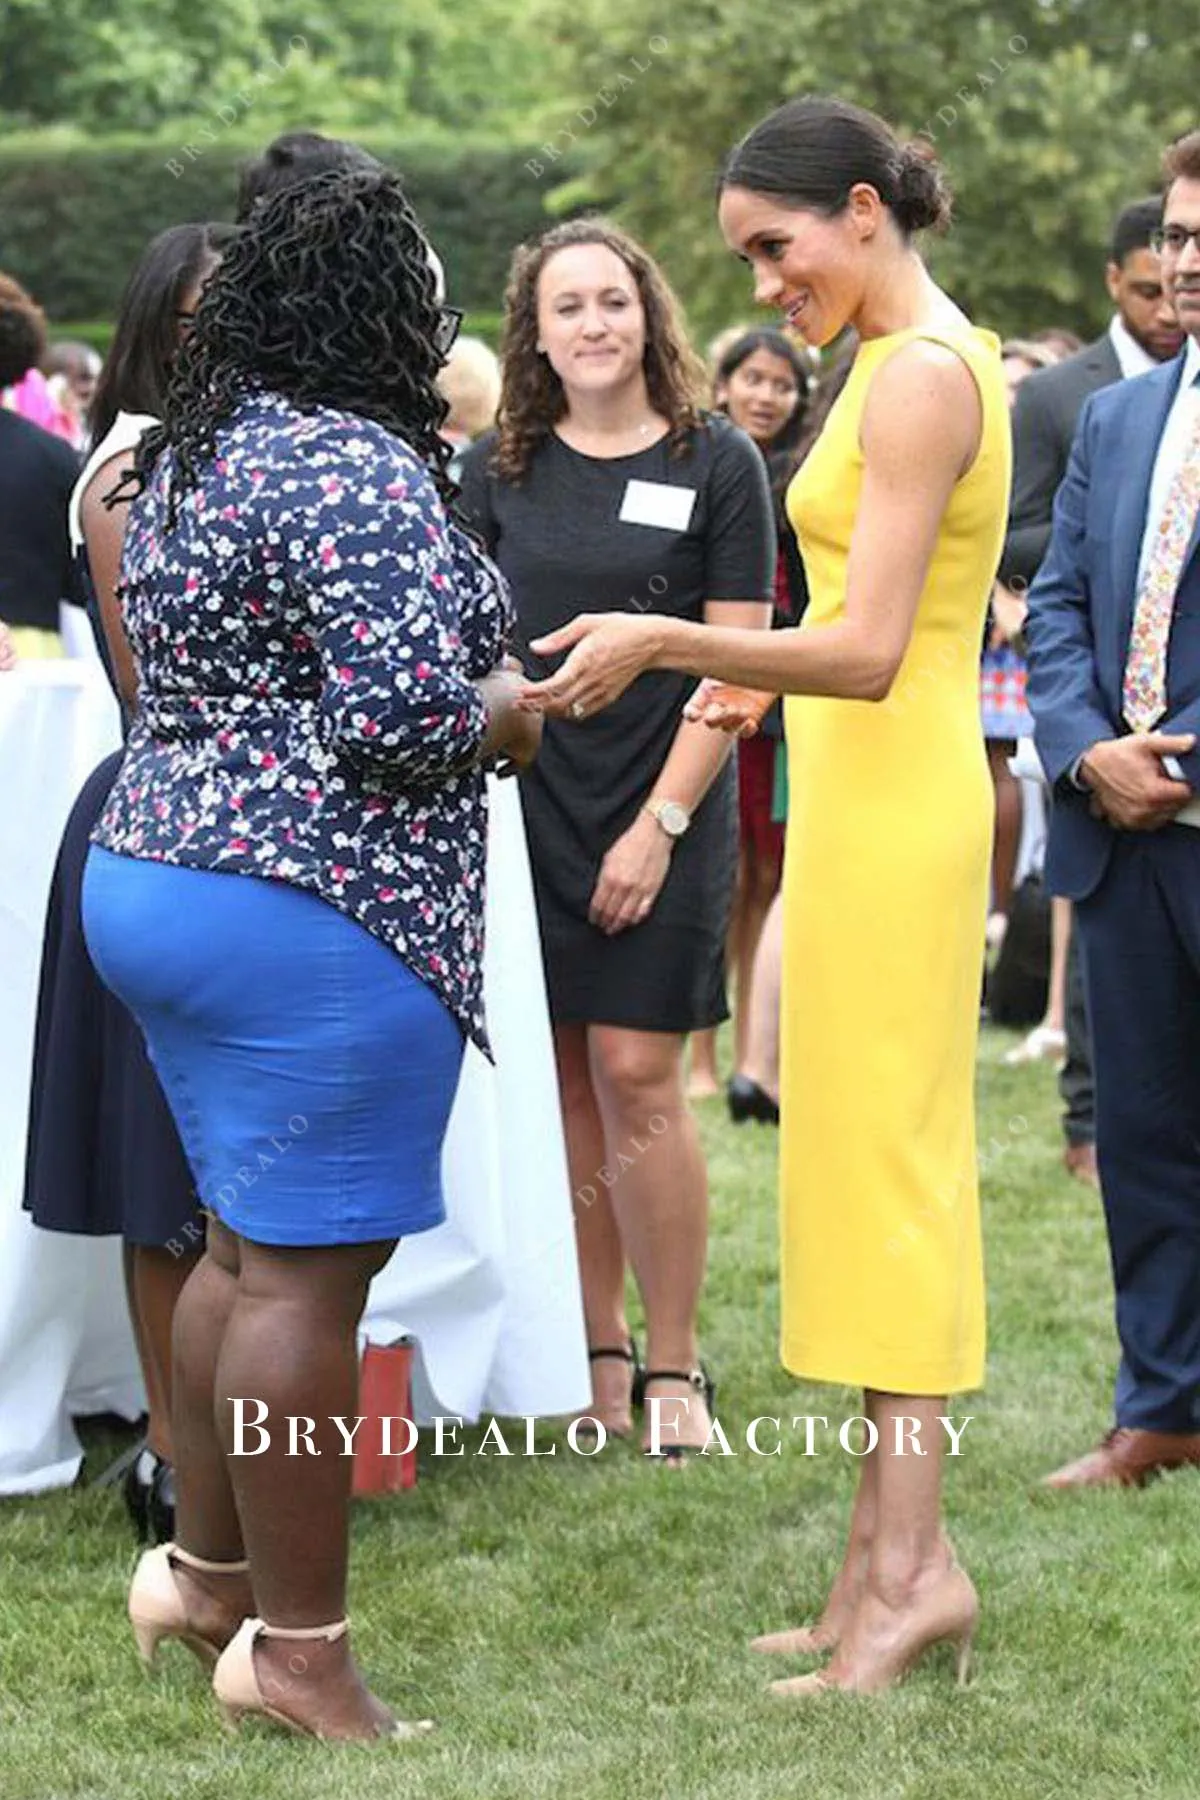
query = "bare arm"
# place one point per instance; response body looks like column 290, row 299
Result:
column 104, row 538
column 696, row 758
column 920, row 432
column 635, row 867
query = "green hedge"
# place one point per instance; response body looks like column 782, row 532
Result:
column 75, row 215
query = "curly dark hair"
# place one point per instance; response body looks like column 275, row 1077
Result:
column 327, row 297
column 295, row 156
column 532, row 398
column 22, row 332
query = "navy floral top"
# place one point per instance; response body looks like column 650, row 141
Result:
column 306, row 638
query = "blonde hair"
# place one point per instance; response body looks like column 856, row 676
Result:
column 1028, row 350
column 470, row 385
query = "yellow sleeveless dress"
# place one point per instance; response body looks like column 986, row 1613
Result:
column 885, row 894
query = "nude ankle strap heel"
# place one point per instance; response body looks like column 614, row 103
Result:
column 236, row 1685
column 205, row 1568
column 157, row 1609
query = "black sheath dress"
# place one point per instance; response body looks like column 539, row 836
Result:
column 651, row 532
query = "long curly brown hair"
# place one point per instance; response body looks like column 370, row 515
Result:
column 532, row 398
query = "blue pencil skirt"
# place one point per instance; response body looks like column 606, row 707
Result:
column 310, row 1072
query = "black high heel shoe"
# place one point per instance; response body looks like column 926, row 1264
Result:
column 749, row 1101
column 702, row 1382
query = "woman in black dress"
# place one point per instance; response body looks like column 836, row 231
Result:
column 606, row 488
column 103, row 1154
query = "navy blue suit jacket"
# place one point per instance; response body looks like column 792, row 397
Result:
column 1081, row 612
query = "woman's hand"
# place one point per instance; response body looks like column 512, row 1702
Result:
column 608, row 651
column 1008, row 616
column 8, row 650
column 520, row 744
column 738, row 710
column 513, row 733
column 631, row 877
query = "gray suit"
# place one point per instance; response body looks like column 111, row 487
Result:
column 1048, row 405
column 1047, row 408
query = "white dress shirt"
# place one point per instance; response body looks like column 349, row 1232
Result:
column 1181, row 422
column 1132, row 358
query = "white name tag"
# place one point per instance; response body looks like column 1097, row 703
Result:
column 656, row 503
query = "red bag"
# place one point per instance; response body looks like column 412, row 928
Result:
column 385, row 1394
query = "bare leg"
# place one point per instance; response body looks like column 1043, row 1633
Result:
column 660, row 1197
column 158, row 1279
column 703, row 1079
column 762, row 1036
column 206, row 1521
column 761, row 886
column 1060, row 942
column 915, row 1594
column 848, row 1583
column 1007, row 840
column 291, row 1342
column 601, row 1256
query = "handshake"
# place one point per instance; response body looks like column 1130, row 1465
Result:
column 514, row 736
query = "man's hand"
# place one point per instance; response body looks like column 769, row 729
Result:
column 1129, row 786
column 1008, row 616
column 631, row 876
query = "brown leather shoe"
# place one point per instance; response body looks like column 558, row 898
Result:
column 1128, row 1458
column 1079, row 1160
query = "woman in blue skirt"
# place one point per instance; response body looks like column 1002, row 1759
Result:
column 286, row 886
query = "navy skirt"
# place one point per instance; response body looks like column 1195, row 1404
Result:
column 103, row 1156
column 310, row 1072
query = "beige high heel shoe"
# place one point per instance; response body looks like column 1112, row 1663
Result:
column 236, row 1685
column 948, row 1614
column 156, row 1606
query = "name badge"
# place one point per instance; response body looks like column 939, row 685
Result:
column 657, row 503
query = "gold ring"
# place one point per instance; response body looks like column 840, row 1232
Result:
column 578, row 709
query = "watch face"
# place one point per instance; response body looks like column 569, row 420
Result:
column 674, row 818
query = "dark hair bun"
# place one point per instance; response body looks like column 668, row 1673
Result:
column 923, row 200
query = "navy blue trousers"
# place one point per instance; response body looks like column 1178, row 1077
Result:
column 1140, row 933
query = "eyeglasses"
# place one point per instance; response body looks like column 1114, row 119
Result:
column 446, row 330
column 1173, row 240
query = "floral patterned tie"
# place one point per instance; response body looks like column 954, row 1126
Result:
column 1144, row 696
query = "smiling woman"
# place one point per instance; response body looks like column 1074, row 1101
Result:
column 900, row 510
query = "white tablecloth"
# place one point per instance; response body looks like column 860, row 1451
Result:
column 492, row 1296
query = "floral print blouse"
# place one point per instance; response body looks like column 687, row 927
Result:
column 306, row 637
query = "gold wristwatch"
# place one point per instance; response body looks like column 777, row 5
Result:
column 669, row 815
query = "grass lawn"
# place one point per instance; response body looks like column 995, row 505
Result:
column 579, row 1629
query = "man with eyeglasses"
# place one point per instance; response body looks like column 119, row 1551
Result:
column 1142, row 333
column 1114, row 687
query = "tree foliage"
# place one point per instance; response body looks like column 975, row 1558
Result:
column 1048, row 114
column 142, row 65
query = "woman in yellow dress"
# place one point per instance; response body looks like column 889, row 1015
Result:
column 900, row 511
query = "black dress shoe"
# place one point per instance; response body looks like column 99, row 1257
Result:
column 748, row 1101
column 160, row 1510
column 136, row 1484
